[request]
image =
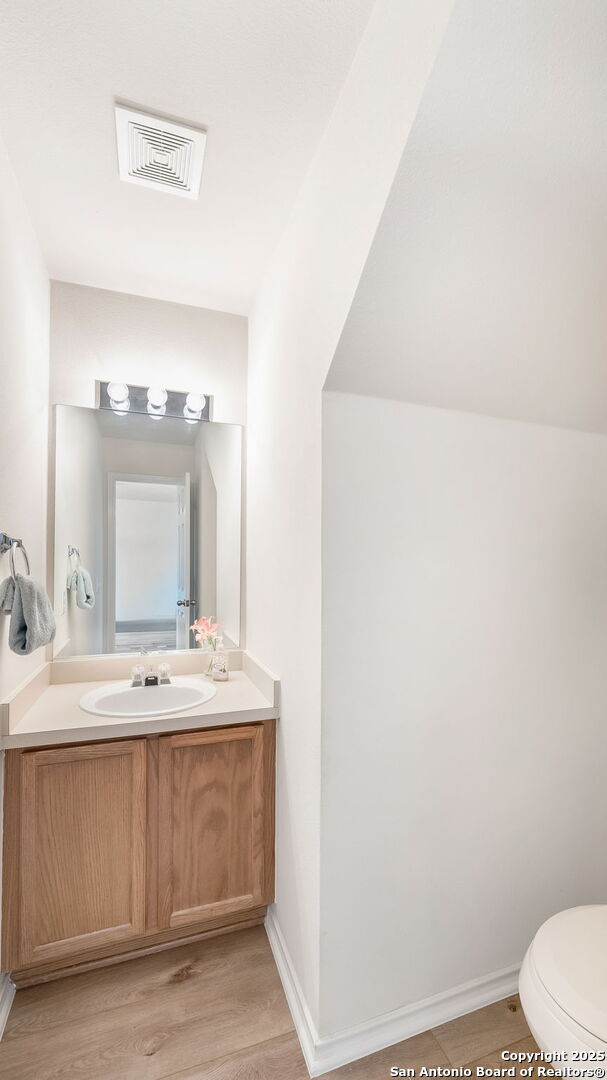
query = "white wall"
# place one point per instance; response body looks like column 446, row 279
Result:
column 24, row 377
column 205, row 497
column 464, row 734
column 223, row 446
column 101, row 335
column 144, row 458
column 80, row 492
column 96, row 334
column 293, row 332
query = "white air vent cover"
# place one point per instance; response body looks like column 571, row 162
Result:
column 159, row 154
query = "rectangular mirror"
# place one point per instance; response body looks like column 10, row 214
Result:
column 148, row 509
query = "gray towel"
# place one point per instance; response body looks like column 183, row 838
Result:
column 32, row 621
column 81, row 583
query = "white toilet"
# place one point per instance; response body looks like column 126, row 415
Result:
column 563, row 984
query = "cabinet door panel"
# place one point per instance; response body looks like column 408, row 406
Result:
column 82, row 848
column 211, row 824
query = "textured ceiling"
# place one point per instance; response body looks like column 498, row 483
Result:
column 485, row 286
column 261, row 75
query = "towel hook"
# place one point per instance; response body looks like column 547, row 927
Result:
column 9, row 543
column 6, row 542
column 18, row 544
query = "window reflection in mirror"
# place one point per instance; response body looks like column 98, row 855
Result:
column 152, row 508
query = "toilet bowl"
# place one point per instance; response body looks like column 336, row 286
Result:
column 563, row 986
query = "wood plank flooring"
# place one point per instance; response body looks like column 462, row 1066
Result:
column 210, row 1011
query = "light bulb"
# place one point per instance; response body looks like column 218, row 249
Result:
column 195, row 403
column 157, row 396
column 117, row 391
column 121, row 408
column 189, row 416
column 156, row 412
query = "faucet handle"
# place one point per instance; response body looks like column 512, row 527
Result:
column 137, row 675
column 164, row 672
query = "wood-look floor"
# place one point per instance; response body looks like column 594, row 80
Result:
column 210, row 1011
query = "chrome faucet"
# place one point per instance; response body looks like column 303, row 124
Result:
column 164, row 674
column 161, row 677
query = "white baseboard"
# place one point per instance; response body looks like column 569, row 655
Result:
column 7, row 994
column 302, row 1019
column 332, row 1051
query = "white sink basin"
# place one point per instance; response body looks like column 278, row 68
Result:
column 122, row 699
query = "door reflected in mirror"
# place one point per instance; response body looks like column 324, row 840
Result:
column 150, row 560
column 147, row 531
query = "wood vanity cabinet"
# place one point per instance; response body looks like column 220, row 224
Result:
column 119, row 847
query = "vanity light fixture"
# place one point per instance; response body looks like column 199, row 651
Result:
column 155, row 401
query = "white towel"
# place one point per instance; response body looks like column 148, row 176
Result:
column 32, row 621
column 81, row 583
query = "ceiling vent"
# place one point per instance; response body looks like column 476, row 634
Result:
column 159, row 153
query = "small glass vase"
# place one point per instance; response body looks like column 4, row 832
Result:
column 217, row 668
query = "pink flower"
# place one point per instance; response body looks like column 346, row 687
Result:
column 205, row 630
column 205, row 625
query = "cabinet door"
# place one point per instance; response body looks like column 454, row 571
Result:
column 213, row 827
column 82, row 848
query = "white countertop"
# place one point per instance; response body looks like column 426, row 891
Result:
column 55, row 715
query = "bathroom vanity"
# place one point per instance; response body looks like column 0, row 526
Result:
column 123, row 836
column 128, row 828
